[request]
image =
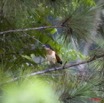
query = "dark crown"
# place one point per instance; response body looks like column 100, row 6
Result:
column 48, row 46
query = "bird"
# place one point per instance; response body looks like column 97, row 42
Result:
column 51, row 55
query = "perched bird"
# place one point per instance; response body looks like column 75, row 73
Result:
column 51, row 55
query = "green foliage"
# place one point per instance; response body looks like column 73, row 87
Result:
column 71, row 89
column 29, row 91
column 21, row 53
column 33, row 14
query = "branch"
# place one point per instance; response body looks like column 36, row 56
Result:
column 68, row 65
column 28, row 29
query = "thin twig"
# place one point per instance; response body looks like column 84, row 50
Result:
column 64, row 64
column 28, row 29
column 68, row 65
column 34, row 39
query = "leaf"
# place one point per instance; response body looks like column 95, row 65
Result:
column 28, row 58
column 53, row 31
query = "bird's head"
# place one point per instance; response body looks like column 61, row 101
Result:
column 47, row 47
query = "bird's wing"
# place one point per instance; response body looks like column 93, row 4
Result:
column 58, row 59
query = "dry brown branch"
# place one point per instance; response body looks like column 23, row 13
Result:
column 28, row 29
column 67, row 66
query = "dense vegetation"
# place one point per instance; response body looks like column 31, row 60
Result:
column 74, row 28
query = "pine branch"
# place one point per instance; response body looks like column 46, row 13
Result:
column 28, row 29
column 67, row 66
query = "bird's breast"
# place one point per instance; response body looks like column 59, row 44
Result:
column 51, row 57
